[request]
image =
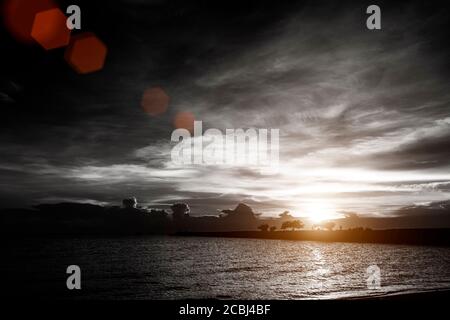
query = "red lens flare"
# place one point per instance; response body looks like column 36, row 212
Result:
column 86, row 53
column 155, row 101
column 184, row 120
column 19, row 16
column 50, row 30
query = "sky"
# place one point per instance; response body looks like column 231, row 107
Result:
column 363, row 115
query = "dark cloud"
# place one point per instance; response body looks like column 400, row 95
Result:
column 423, row 153
column 363, row 116
column 430, row 215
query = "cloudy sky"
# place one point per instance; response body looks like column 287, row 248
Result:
column 364, row 116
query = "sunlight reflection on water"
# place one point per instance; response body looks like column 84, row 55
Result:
column 174, row 267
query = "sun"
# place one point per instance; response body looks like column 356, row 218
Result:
column 320, row 211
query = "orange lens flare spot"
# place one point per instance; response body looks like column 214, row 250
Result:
column 50, row 30
column 19, row 16
column 86, row 53
column 184, row 120
column 155, row 101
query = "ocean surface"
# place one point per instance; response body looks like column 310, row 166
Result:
column 221, row 268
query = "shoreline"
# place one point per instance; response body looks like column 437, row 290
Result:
column 430, row 237
column 422, row 237
column 438, row 294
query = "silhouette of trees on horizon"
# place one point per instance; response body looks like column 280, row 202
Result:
column 180, row 211
column 129, row 203
column 132, row 218
column 293, row 224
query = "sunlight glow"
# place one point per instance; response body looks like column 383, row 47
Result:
column 320, row 211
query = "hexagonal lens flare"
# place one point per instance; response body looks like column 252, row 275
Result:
column 50, row 30
column 86, row 53
column 154, row 101
column 184, row 120
column 19, row 16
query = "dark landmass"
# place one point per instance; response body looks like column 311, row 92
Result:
column 436, row 237
column 78, row 219
column 66, row 219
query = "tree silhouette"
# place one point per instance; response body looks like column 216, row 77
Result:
column 272, row 228
column 129, row 203
column 293, row 224
column 264, row 227
column 180, row 211
column 285, row 225
column 297, row 224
